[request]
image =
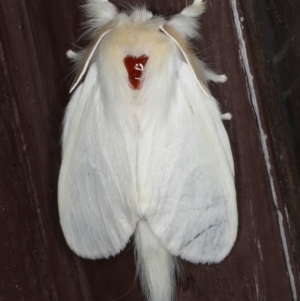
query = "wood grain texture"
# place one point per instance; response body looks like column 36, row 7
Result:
column 275, row 41
column 36, row 263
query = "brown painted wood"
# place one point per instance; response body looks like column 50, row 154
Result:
column 36, row 263
column 274, row 29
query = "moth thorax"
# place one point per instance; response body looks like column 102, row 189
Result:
column 135, row 67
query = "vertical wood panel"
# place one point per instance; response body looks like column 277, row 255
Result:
column 36, row 263
column 276, row 43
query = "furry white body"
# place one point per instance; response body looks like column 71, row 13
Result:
column 154, row 161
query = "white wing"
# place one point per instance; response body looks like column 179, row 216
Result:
column 97, row 177
column 186, row 178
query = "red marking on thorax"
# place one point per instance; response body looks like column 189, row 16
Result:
column 135, row 67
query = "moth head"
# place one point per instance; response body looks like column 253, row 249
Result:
column 103, row 16
column 99, row 13
column 140, row 15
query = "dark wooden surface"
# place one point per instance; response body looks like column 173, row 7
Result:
column 36, row 263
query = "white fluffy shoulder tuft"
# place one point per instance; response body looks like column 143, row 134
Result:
column 98, row 13
column 194, row 10
column 186, row 22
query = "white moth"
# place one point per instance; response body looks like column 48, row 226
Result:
column 153, row 161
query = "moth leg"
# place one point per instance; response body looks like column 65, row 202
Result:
column 217, row 78
column 75, row 57
column 226, row 116
column 71, row 54
column 209, row 75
